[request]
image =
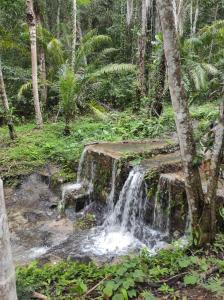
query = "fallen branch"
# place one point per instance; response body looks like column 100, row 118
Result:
column 96, row 286
column 39, row 296
column 168, row 281
column 210, row 272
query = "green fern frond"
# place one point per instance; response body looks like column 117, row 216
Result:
column 114, row 69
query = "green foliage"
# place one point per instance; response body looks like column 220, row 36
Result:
column 192, row 279
column 127, row 279
column 67, row 92
column 216, row 286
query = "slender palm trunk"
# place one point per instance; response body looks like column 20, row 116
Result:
column 43, row 76
column 142, row 51
column 74, row 33
column 42, row 59
column 7, row 273
column 5, row 104
column 58, row 19
column 31, row 20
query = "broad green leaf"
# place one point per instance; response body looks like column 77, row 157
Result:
column 191, row 279
column 118, row 297
column 125, row 294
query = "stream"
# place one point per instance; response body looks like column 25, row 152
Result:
column 43, row 225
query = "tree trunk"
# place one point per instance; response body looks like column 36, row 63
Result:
column 7, row 271
column 216, row 161
column 31, row 20
column 182, row 116
column 42, row 57
column 5, row 104
column 156, row 108
column 58, row 19
column 43, row 76
column 74, row 33
column 142, row 50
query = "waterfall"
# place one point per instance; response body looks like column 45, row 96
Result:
column 126, row 213
column 81, row 165
column 161, row 216
column 83, row 185
column 124, row 228
column 110, row 201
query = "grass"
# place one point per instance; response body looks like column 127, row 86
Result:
column 34, row 148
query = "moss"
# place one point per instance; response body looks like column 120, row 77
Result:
column 86, row 222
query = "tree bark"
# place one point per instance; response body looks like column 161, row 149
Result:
column 7, row 271
column 58, row 19
column 42, row 57
column 216, row 161
column 5, row 104
column 31, row 20
column 142, row 51
column 74, row 33
column 182, row 116
column 156, row 108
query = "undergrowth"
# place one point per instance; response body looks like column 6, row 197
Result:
column 35, row 148
column 170, row 273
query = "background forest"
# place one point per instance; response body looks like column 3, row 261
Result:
column 116, row 51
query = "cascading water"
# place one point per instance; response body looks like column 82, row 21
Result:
column 82, row 184
column 124, row 229
column 161, row 216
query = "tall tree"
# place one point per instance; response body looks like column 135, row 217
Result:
column 42, row 57
column 5, row 104
column 202, row 207
column 74, row 32
column 31, row 20
column 7, row 274
column 142, row 49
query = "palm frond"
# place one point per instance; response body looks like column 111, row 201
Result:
column 24, row 88
column 210, row 69
column 114, row 69
column 90, row 45
column 98, row 110
column 55, row 52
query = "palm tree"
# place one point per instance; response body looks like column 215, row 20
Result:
column 31, row 20
column 73, row 81
column 67, row 91
column 74, row 34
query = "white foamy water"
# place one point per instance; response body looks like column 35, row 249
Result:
column 124, row 229
column 37, row 252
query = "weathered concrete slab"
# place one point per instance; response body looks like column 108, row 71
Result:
column 122, row 149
